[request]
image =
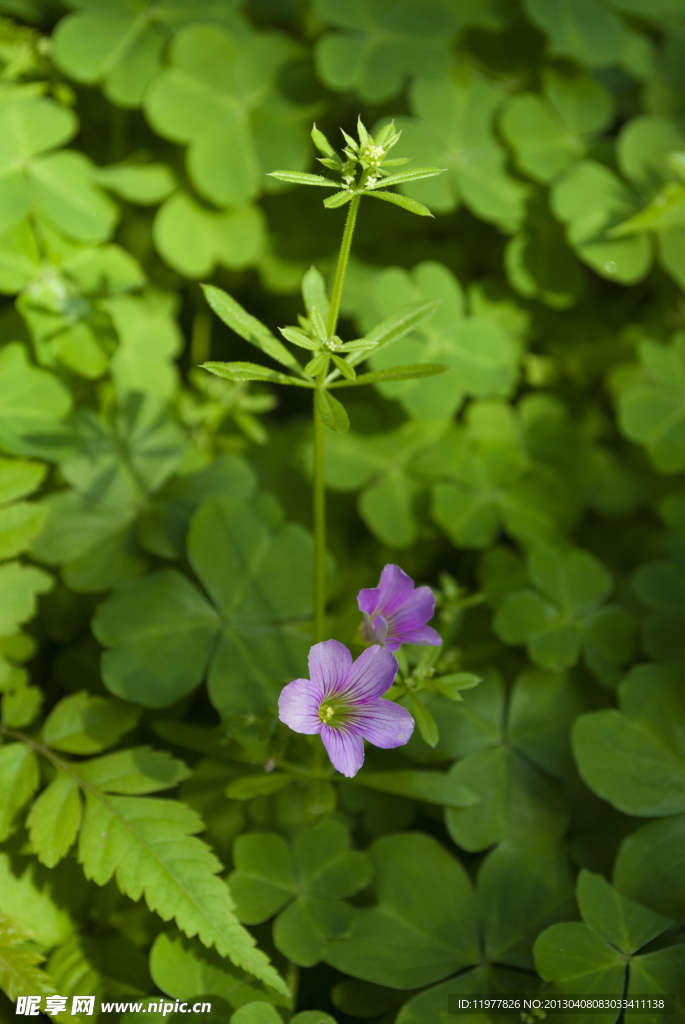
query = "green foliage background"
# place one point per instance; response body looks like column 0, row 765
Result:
column 155, row 545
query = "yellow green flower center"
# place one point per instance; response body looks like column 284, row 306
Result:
column 326, row 712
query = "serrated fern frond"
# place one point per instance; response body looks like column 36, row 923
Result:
column 149, row 845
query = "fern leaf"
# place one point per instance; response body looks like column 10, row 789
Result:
column 54, row 819
column 20, row 973
column 18, row 782
column 149, row 846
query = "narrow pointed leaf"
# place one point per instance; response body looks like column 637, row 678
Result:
column 404, row 201
column 252, row 371
column 330, row 163
column 396, row 326
column 395, row 373
column 303, row 178
column 316, row 365
column 322, row 143
column 414, row 174
column 299, row 338
column 314, row 292
column 339, row 199
column 362, row 132
column 332, row 412
column 350, row 141
column 396, row 161
column 345, row 368
column 384, row 136
column 318, row 324
column 248, row 327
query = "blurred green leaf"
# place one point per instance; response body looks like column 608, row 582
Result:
column 236, row 122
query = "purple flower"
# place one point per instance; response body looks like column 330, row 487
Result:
column 343, row 701
column 396, row 613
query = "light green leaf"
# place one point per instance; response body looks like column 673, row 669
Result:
column 581, row 29
column 252, row 371
column 145, row 184
column 122, row 47
column 18, row 782
column 237, row 123
column 193, row 240
column 301, row 178
column 32, row 402
column 20, row 586
column 339, row 199
column 180, row 966
column 376, row 50
column 332, row 412
column 395, row 373
column 149, row 844
column 54, row 819
column 406, row 202
column 395, row 326
column 247, row 326
column 425, row 722
column 85, row 724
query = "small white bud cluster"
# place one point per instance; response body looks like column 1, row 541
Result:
column 372, row 156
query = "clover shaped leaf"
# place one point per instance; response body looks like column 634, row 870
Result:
column 121, row 44
column 652, row 410
column 483, row 355
column 590, row 199
column 114, row 469
column 381, row 44
column 219, row 95
column 425, row 900
column 58, row 185
column 32, row 405
column 548, row 131
column 582, row 29
column 635, row 757
column 20, row 521
column 304, row 882
column 193, row 239
column 602, row 955
column 508, row 753
column 566, row 615
column 244, row 628
column 454, row 128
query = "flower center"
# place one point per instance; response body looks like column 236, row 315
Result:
column 326, row 712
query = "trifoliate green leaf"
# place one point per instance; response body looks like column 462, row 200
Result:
column 237, row 124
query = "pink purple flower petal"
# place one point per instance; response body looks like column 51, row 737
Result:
column 345, row 748
column 343, row 701
column 395, row 612
column 385, row 724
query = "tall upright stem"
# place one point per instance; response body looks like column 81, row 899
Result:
column 345, row 246
column 318, row 478
column 319, row 530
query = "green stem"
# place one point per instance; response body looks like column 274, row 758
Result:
column 343, row 258
column 319, row 530
column 319, row 486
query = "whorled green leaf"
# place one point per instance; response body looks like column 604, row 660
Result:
column 252, row 371
column 247, row 326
